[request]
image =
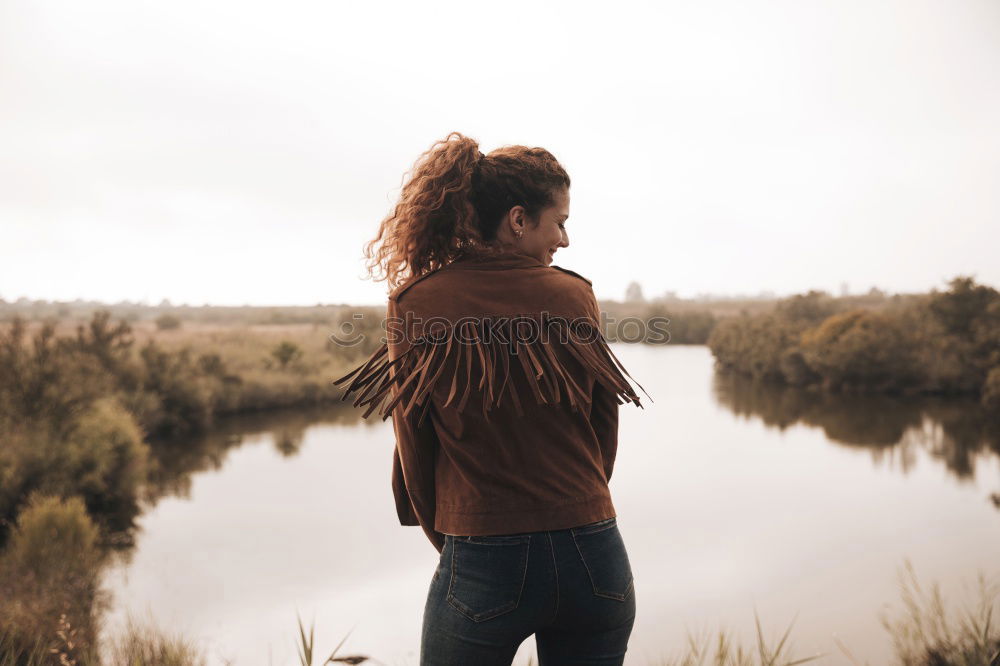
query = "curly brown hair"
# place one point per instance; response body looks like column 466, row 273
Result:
column 454, row 201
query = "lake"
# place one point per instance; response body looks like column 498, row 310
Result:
column 731, row 498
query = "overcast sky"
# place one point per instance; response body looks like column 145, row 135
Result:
column 238, row 152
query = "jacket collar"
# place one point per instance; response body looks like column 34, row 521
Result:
column 500, row 259
column 494, row 260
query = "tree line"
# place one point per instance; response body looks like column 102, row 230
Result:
column 943, row 343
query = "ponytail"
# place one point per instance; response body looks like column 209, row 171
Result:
column 454, row 201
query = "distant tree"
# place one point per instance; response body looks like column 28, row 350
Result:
column 991, row 390
column 183, row 401
column 168, row 322
column 633, row 293
column 286, row 352
column 212, row 364
column 958, row 308
column 754, row 344
column 862, row 349
column 811, row 308
column 684, row 327
column 941, row 343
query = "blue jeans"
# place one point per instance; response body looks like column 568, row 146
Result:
column 572, row 588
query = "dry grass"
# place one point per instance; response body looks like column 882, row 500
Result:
column 722, row 652
column 143, row 644
column 928, row 633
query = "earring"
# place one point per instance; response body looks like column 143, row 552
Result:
column 519, row 234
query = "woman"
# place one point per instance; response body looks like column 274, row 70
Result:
column 504, row 397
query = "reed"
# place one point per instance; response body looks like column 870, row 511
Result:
column 306, row 648
column 727, row 654
column 14, row 651
column 144, row 644
column 928, row 633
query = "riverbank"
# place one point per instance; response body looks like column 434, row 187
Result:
column 40, row 584
column 90, row 415
column 942, row 343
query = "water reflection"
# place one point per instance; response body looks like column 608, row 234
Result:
column 173, row 462
column 958, row 433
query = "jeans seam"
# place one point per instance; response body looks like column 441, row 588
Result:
column 593, row 583
column 451, row 581
column 524, row 576
column 590, row 577
column 555, row 568
column 595, row 528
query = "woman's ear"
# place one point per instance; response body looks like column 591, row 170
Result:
column 516, row 218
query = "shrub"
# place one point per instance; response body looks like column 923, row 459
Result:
column 182, row 397
column 811, row 308
column 861, row 349
column 945, row 343
column 49, row 379
column 754, row 345
column 49, row 580
column 145, row 644
column 168, row 322
column 100, row 457
column 991, row 391
column 685, row 328
column 106, row 458
column 959, row 308
column 285, row 352
column 928, row 633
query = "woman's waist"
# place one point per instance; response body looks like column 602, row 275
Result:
column 523, row 520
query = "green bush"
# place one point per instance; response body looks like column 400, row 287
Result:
column 285, row 352
column 810, row 309
column 861, row 349
column 49, row 581
column 991, row 390
column 685, row 328
column 47, row 378
column 101, row 458
column 929, row 632
column 106, row 458
column 144, row 644
column 168, row 322
column 754, row 345
column 943, row 343
column 181, row 399
column 961, row 307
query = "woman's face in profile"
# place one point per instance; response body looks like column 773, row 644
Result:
column 542, row 241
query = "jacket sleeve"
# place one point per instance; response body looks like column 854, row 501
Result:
column 414, row 458
column 604, row 409
column 604, row 421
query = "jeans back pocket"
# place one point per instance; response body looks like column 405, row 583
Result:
column 487, row 575
column 602, row 551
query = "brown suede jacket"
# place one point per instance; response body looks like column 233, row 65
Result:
column 504, row 397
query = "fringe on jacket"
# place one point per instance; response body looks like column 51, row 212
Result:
column 523, row 344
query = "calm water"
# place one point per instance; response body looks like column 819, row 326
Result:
column 731, row 498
